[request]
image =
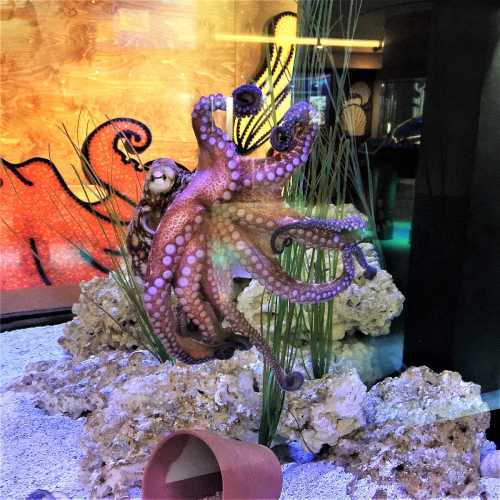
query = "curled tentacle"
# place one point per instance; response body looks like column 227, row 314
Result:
column 247, row 100
column 322, row 233
column 294, row 137
column 281, row 138
column 369, row 271
column 219, row 285
column 203, row 121
column 270, row 274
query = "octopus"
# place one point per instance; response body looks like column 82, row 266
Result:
column 229, row 212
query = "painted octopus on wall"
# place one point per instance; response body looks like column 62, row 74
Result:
column 230, row 210
column 52, row 237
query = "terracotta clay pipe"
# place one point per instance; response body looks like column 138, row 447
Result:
column 199, row 464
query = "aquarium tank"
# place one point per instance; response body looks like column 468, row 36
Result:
column 249, row 249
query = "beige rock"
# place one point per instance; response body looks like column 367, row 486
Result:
column 350, row 352
column 324, row 410
column 131, row 400
column 424, row 432
column 104, row 320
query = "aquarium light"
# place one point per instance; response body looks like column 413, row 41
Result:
column 295, row 40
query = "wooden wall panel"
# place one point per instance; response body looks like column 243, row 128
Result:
column 147, row 60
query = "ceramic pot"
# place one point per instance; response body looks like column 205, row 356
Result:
column 199, row 463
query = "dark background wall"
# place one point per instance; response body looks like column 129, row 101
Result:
column 453, row 304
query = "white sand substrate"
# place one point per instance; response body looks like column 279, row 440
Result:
column 38, row 451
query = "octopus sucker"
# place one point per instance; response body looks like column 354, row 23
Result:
column 190, row 229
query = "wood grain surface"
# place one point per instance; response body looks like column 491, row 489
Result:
column 145, row 59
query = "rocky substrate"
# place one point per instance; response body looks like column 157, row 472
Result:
column 424, row 431
column 104, row 319
column 418, row 435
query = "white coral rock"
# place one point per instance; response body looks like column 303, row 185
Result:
column 490, row 465
column 424, row 431
column 324, row 410
column 131, row 401
column 104, row 320
column 368, row 306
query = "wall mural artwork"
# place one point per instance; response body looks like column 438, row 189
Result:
column 251, row 132
column 55, row 233
column 50, row 236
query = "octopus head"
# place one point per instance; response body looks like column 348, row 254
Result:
column 161, row 176
column 247, row 100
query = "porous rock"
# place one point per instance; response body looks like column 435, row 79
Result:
column 351, row 352
column 76, row 388
column 490, row 465
column 215, row 396
column 424, row 432
column 324, row 410
column 104, row 320
column 131, row 400
column 368, row 306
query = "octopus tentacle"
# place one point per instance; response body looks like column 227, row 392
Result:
column 300, row 126
column 369, row 271
column 168, row 247
column 180, row 222
column 219, row 283
column 288, row 225
column 166, row 325
column 319, row 233
column 269, row 273
column 254, row 215
column 247, row 100
column 188, row 284
column 203, row 121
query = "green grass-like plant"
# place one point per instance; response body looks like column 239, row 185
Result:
column 333, row 170
column 122, row 272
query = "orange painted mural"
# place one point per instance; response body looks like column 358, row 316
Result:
column 98, row 59
column 49, row 235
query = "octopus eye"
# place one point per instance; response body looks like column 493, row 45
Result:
column 247, row 100
column 281, row 138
